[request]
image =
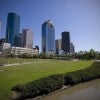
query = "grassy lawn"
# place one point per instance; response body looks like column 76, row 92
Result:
column 13, row 75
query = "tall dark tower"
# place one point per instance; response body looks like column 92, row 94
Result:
column 66, row 42
column 13, row 28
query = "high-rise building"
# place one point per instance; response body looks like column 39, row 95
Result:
column 18, row 40
column 66, row 42
column 72, row 48
column 0, row 29
column 0, row 26
column 48, row 37
column 27, row 36
column 13, row 28
column 58, row 45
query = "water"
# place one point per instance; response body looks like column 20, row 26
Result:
column 85, row 91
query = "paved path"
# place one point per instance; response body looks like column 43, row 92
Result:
column 14, row 64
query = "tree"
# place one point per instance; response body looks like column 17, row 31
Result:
column 42, row 55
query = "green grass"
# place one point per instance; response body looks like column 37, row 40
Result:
column 15, row 60
column 13, row 75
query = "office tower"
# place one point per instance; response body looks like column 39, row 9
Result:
column 66, row 42
column 0, row 26
column 18, row 40
column 0, row 29
column 27, row 36
column 72, row 48
column 58, row 45
column 48, row 37
column 13, row 28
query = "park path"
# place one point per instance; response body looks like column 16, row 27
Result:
column 22, row 63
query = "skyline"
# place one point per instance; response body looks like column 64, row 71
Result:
column 80, row 18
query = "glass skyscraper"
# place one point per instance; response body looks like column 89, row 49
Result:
column 48, row 37
column 13, row 28
column 66, row 42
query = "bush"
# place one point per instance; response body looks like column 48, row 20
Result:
column 39, row 87
column 54, row 82
column 25, row 55
column 87, row 74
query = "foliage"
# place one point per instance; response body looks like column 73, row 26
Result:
column 26, row 55
column 83, row 75
column 42, row 55
column 35, row 56
column 6, row 53
column 40, row 87
column 87, row 55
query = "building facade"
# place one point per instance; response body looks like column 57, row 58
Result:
column 66, row 42
column 13, row 28
column 72, row 48
column 0, row 26
column 5, row 46
column 48, row 37
column 20, row 50
column 58, row 46
column 27, row 36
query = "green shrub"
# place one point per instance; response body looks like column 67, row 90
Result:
column 54, row 82
column 40, row 87
column 87, row 74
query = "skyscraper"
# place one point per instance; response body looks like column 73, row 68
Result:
column 18, row 40
column 27, row 37
column 66, row 42
column 0, row 29
column 58, row 45
column 0, row 26
column 13, row 28
column 48, row 37
column 72, row 48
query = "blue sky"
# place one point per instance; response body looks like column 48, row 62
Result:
column 80, row 17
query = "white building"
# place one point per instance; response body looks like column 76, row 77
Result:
column 5, row 46
column 20, row 50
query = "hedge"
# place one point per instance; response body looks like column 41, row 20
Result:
column 54, row 82
column 39, row 87
column 83, row 75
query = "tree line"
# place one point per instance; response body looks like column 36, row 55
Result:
column 81, row 55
